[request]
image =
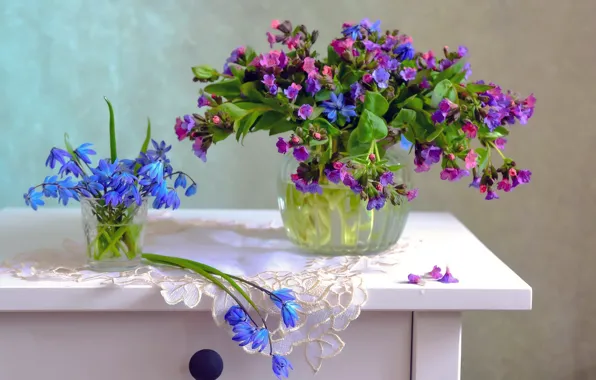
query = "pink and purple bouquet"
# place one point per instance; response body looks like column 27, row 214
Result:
column 373, row 91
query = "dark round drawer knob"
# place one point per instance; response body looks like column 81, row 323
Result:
column 205, row 365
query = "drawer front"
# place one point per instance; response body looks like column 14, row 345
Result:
column 158, row 346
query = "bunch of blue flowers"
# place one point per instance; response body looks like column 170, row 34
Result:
column 114, row 192
column 247, row 329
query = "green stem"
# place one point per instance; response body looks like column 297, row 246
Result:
column 492, row 144
column 204, row 270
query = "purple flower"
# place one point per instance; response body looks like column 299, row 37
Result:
column 292, row 91
column 435, row 273
column 453, row 174
column 491, row 195
column 273, row 59
column 313, row 86
column 336, row 106
column 314, row 188
column 389, row 43
column 386, row 178
column 387, row 63
column 305, row 111
column 356, row 91
column 475, row 183
column 468, row 70
column 500, row 143
column 282, row 145
column 337, row 174
column 203, row 101
column 376, row 203
column 381, row 76
column 424, row 84
column 448, row 278
column 371, row 26
column 412, row 194
column 437, row 117
column 524, row 176
column 408, row 74
column 462, row 51
column 273, row 90
column 269, row 80
column 351, row 182
column 493, row 118
column 271, row 39
column 405, row 51
column 431, row 155
column 371, row 46
column 414, row 279
column 197, row 147
column 301, row 153
column 367, row 78
column 421, row 166
column 445, row 64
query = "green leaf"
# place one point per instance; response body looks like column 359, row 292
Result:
column 356, row 145
column 332, row 57
column 147, row 137
column 482, row 158
column 435, row 134
column 237, row 70
column 219, row 134
column 372, row 124
column 113, row 152
column 413, row 102
column 227, row 88
column 253, row 106
column 205, row 72
column 475, row 88
column 243, row 125
column 323, row 95
column 250, row 54
column 70, row 149
column 316, row 112
column 442, row 90
column 458, row 78
column 405, row 116
column 451, row 71
column 375, row 103
column 250, row 91
column 395, row 168
column 268, row 120
column 235, row 112
column 314, row 142
column 324, row 124
column 282, row 127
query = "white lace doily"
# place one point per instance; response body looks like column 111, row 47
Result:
column 330, row 290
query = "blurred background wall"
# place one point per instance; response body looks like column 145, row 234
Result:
column 59, row 57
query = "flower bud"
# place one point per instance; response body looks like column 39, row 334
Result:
column 285, row 27
column 512, row 172
column 317, row 135
column 216, row 119
column 372, row 157
column 483, row 188
column 295, row 140
column 379, row 187
column 314, row 36
column 451, row 156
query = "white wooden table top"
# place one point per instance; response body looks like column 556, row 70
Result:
column 486, row 283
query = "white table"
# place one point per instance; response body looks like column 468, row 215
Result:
column 59, row 330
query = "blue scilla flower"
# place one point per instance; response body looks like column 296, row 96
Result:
column 50, row 187
column 354, row 32
column 57, row 155
column 159, row 151
column 105, row 170
column 191, row 190
column 289, row 313
column 235, row 315
column 180, row 181
column 112, row 198
column 260, row 339
column 281, row 295
column 71, row 167
column 243, row 333
column 172, row 200
column 281, row 366
column 153, row 170
column 84, row 151
column 33, row 198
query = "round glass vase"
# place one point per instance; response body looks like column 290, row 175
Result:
column 337, row 222
column 114, row 235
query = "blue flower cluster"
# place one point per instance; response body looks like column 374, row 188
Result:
column 247, row 332
column 119, row 183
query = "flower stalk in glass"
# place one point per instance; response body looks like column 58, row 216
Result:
column 114, row 194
